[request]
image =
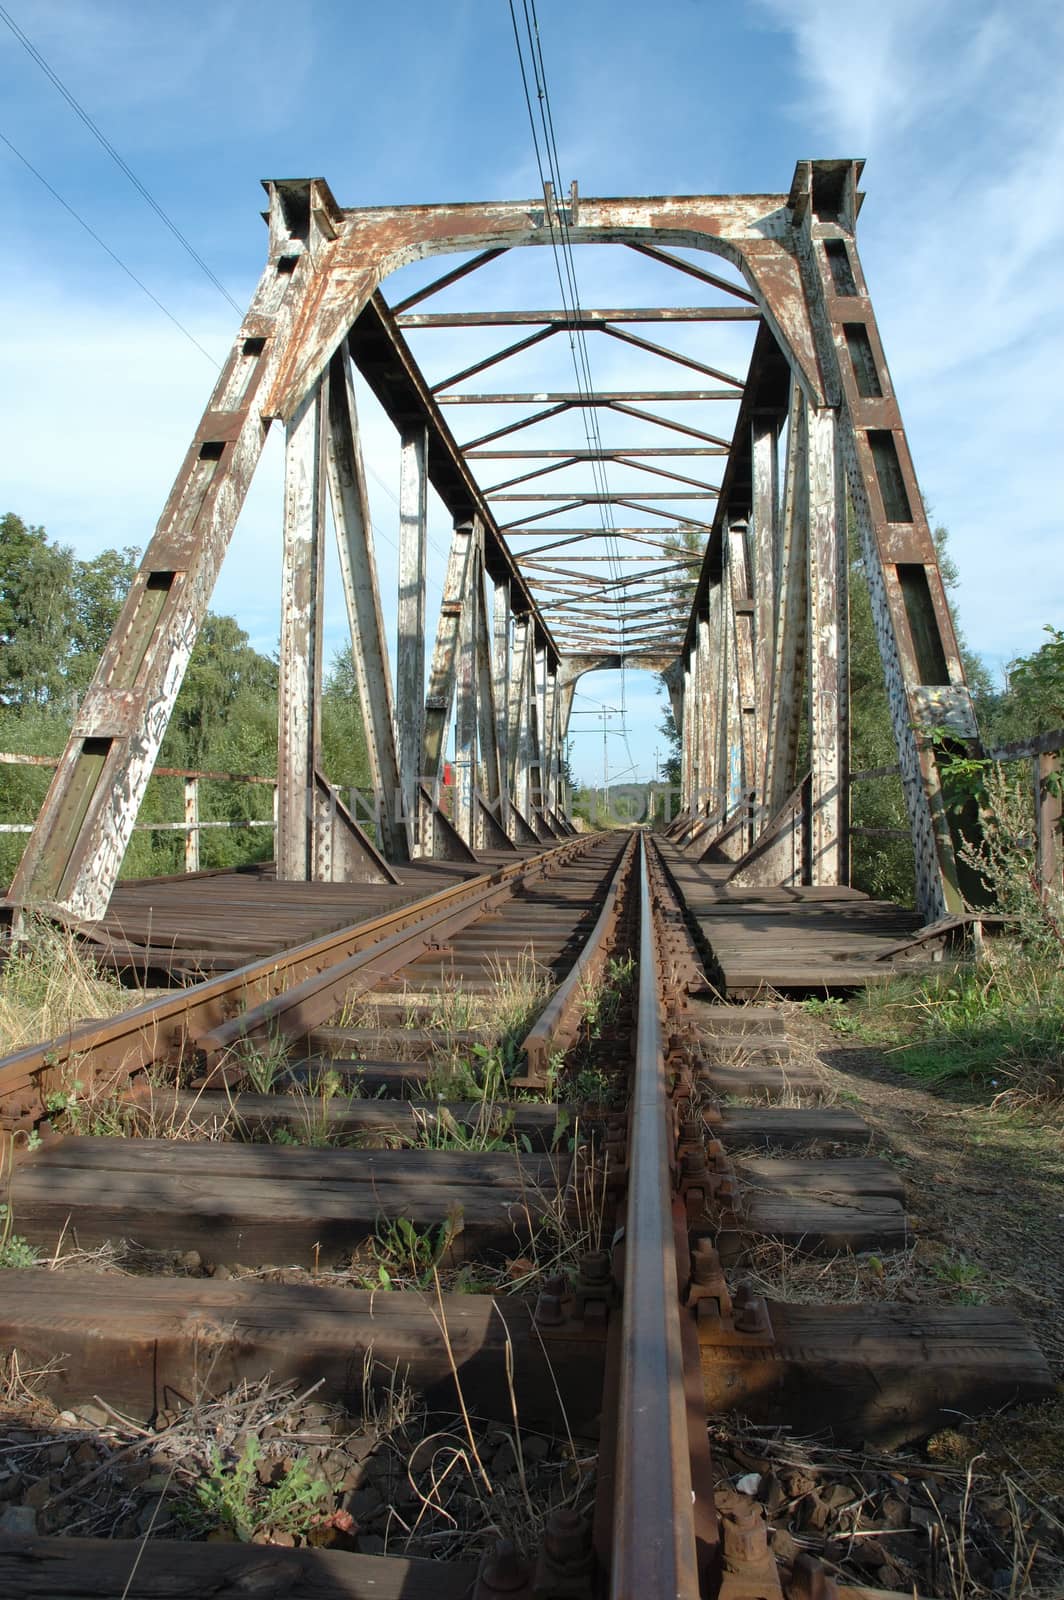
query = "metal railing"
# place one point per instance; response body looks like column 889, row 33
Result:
column 1045, row 754
column 192, row 825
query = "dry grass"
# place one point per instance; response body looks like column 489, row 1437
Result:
column 452, row 1013
column 49, row 984
column 557, row 1226
column 782, row 1272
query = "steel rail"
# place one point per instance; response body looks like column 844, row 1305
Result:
column 554, row 1029
column 162, row 1029
column 653, row 1544
column 297, row 1010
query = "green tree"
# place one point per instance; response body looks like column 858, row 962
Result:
column 688, row 545
column 38, row 613
column 100, row 588
column 224, row 668
column 1033, row 699
column 344, row 754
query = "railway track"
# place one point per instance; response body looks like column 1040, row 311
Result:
column 502, row 1153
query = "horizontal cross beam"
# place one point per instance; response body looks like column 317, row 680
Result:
column 577, row 497
column 585, row 318
column 573, row 397
column 610, row 453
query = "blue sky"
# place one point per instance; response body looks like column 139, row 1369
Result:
column 955, row 104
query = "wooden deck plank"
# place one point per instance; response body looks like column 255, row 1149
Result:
column 789, row 939
column 776, row 1125
column 881, row 1375
column 858, row 1176
column 268, row 1203
column 143, row 1343
column 102, row 1569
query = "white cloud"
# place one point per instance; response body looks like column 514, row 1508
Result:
column 958, row 107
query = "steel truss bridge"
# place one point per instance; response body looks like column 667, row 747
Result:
column 751, row 635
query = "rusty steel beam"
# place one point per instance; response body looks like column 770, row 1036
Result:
column 584, row 318
column 591, row 499
column 607, row 453
column 668, row 259
column 653, row 1490
column 299, row 685
column 381, row 355
column 575, row 397
column 816, row 336
column 447, row 279
column 494, row 359
column 358, row 572
column 639, row 343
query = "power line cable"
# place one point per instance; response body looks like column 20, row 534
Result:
column 101, row 137
column 547, row 117
column 570, row 297
column 567, row 281
column 117, row 259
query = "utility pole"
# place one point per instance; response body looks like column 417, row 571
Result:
column 603, row 711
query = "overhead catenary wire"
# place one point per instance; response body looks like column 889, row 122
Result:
column 565, row 268
column 79, row 110
column 577, row 337
column 117, row 259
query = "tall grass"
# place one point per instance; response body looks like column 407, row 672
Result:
column 48, row 984
column 998, row 1022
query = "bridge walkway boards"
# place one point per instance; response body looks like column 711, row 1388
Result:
column 791, row 940
column 193, row 925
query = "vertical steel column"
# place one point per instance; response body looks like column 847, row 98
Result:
column 550, row 700
column 688, row 736
column 743, row 623
column 695, row 724
column 501, row 618
column 764, row 449
column 410, row 638
column 714, row 689
column 75, row 851
column 518, row 717
column 465, row 710
column 440, row 697
column 828, row 721
column 791, row 620
column 358, row 570
column 491, row 821
column 731, row 709
column 566, row 693
column 705, row 716
column 539, row 730
column 299, row 677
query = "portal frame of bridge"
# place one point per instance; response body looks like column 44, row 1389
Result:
column 766, row 641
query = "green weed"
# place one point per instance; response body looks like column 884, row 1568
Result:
column 403, row 1252
column 233, row 1496
column 14, row 1250
column 261, row 1065
column 834, row 1011
column 962, row 1276
column 593, row 1086
column 491, row 1129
